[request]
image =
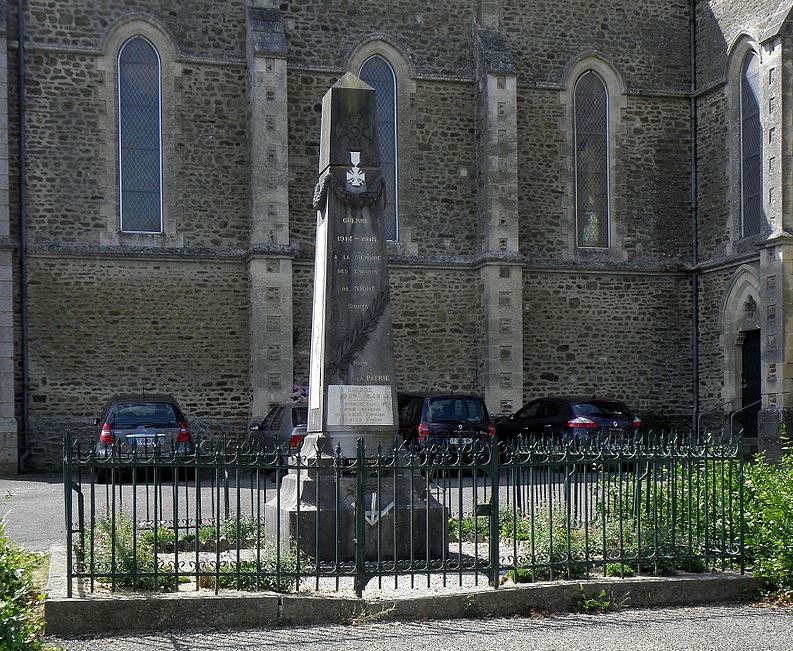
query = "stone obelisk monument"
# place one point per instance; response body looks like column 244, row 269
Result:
column 320, row 507
column 351, row 387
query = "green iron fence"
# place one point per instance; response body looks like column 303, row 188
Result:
column 232, row 516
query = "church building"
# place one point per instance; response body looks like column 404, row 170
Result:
column 583, row 197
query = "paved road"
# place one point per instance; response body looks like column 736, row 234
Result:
column 722, row 628
column 32, row 506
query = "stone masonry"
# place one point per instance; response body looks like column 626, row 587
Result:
column 490, row 293
column 8, row 423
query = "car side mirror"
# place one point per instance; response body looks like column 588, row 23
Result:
column 95, row 422
column 254, row 427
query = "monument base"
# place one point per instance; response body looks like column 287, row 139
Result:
column 316, row 511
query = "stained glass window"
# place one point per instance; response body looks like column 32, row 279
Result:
column 379, row 74
column 751, row 148
column 139, row 136
column 591, row 161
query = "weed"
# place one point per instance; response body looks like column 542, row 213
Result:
column 600, row 603
column 469, row 606
column 366, row 617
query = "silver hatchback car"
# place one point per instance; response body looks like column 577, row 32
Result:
column 284, row 424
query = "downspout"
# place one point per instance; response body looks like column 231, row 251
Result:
column 23, row 450
column 692, row 46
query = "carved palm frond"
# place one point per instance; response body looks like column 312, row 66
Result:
column 356, row 339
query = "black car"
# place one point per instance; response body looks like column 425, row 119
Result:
column 143, row 421
column 453, row 420
column 568, row 417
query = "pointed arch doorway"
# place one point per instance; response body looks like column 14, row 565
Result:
column 741, row 340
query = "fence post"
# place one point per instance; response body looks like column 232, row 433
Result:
column 741, row 511
column 495, row 534
column 360, row 531
column 67, row 496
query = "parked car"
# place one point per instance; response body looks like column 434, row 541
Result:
column 569, row 416
column 145, row 421
column 284, row 423
column 453, row 420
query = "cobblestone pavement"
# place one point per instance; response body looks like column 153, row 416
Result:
column 738, row 627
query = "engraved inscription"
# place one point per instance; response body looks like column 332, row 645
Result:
column 360, row 405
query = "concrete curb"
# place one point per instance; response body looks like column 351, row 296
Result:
column 136, row 613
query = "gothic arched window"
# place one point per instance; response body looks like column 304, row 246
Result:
column 379, row 74
column 139, row 137
column 751, row 147
column 591, row 131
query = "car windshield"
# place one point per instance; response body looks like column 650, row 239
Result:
column 154, row 414
column 299, row 416
column 468, row 410
column 602, row 408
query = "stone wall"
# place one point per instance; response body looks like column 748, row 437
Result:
column 444, row 190
column 211, row 158
column 646, row 41
column 437, row 319
column 625, row 336
column 437, row 323
column 212, row 29
column 542, row 146
column 654, row 210
column 650, row 204
column 101, row 326
column 69, row 132
column 719, row 24
column 435, row 36
column 712, row 181
column 65, row 145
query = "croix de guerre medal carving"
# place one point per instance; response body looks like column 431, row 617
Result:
column 356, row 177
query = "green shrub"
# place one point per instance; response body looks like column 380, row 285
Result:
column 769, row 521
column 272, row 573
column 521, row 575
column 134, row 555
column 618, row 569
column 20, row 602
column 469, row 527
column 551, row 543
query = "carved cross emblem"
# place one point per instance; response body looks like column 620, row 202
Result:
column 355, row 176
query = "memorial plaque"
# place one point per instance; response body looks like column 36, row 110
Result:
column 351, row 386
column 360, row 405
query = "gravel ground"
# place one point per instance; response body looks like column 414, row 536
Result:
column 724, row 628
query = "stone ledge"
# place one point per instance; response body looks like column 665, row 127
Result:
column 136, row 613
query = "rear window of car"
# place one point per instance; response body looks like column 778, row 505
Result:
column 467, row 410
column 155, row 414
column 602, row 408
column 299, row 416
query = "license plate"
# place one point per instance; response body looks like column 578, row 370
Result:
column 467, row 440
column 148, row 441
